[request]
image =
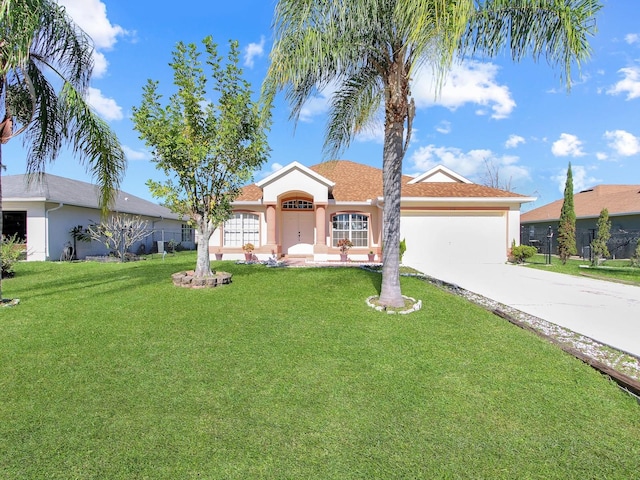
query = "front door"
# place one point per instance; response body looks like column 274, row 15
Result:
column 297, row 235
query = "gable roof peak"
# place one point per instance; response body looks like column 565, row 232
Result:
column 440, row 173
column 290, row 167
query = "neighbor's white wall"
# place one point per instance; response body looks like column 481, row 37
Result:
column 61, row 220
column 35, row 226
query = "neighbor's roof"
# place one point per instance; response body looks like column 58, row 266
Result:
column 52, row 188
column 617, row 199
column 355, row 182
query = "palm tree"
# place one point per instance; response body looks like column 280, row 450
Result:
column 45, row 69
column 368, row 50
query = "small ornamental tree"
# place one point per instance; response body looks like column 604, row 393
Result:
column 567, row 225
column 207, row 144
column 603, row 234
column 119, row 232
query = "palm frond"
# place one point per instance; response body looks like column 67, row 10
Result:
column 558, row 30
column 93, row 142
column 353, row 108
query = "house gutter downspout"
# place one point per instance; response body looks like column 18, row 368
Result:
column 46, row 229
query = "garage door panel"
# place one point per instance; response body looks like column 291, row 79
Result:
column 454, row 239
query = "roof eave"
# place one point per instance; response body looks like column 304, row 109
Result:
column 519, row 200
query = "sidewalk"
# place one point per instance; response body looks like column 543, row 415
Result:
column 607, row 312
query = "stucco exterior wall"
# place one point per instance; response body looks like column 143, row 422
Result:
column 36, row 227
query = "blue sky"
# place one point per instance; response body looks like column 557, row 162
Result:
column 518, row 118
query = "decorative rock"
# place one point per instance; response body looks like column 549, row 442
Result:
column 189, row 280
column 416, row 305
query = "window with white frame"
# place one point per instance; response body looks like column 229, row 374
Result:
column 297, row 204
column 242, row 228
column 353, row 226
column 187, row 233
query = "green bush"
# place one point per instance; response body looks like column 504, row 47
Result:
column 403, row 248
column 522, row 252
column 11, row 251
column 635, row 259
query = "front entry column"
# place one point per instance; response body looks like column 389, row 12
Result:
column 271, row 224
column 271, row 228
column 321, row 234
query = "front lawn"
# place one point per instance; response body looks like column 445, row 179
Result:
column 108, row 371
column 611, row 270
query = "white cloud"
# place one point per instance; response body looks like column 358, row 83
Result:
column 624, row 143
column 444, row 127
column 580, row 176
column 567, row 146
column 100, row 64
column 91, row 16
column 469, row 164
column 252, row 51
column 602, row 156
column 513, row 141
column 630, row 84
column 274, row 167
column 136, row 155
column 632, row 38
column 467, row 82
column 106, row 107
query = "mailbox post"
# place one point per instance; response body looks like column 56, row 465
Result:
column 549, row 244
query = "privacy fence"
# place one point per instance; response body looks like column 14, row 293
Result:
column 622, row 243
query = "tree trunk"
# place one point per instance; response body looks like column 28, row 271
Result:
column 390, row 294
column 203, row 261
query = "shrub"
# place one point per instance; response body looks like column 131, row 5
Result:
column 522, row 252
column 403, row 248
column 344, row 245
column 603, row 234
column 635, row 260
column 11, row 251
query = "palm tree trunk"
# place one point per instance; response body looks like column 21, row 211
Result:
column 390, row 294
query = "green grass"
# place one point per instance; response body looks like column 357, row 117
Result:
column 611, row 270
column 108, row 371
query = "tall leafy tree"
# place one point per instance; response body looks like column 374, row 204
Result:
column 567, row 223
column 209, row 147
column 369, row 49
column 599, row 247
column 46, row 62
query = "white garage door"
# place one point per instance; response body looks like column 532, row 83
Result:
column 454, row 238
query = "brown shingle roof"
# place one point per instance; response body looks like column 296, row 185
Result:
column 355, row 182
column 617, row 199
column 250, row 193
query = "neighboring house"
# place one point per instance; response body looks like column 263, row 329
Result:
column 44, row 211
column 622, row 202
column 304, row 212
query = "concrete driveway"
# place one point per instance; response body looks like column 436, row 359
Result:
column 604, row 311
